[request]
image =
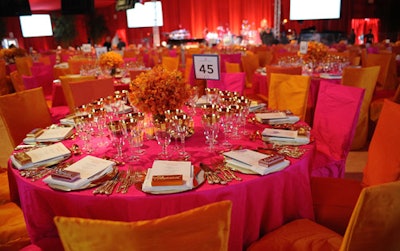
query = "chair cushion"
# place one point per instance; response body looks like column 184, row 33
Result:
column 13, row 233
column 300, row 234
column 205, row 228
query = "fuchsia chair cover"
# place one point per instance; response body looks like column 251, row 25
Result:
column 233, row 82
column 335, row 120
column 231, row 58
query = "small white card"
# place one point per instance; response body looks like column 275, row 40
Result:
column 279, row 133
column 206, row 66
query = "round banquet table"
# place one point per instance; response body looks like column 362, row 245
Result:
column 260, row 203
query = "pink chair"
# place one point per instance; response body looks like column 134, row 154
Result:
column 233, row 82
column 335, row 120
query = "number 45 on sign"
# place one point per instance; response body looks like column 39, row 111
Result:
column 206, row 66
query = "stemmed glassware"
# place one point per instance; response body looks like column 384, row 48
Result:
column 181, row 125
column 244, row 112
column 84, row 129
column 210, row 123
column 226, row 124
column 136, row 132
column 236, row 120
column 118, row 134
column 193, row 100
column 212, row 95
column 163, row 138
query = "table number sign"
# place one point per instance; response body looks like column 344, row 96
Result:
column 206, row 66
column 87, row 48
column 100, row 50
column 303, row 47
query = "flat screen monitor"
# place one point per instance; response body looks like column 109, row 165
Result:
column 148, row 14
column 314, row 9
column 38, row 25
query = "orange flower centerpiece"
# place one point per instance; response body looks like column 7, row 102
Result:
column 111, row 61
column 159, row 90
column 10, row 54
column 316, row 52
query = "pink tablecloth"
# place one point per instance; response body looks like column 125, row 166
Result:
column 260, row 203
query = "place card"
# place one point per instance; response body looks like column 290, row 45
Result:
column 55, row 134
column 279, row 133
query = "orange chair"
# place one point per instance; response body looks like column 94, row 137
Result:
column 76, row 63
column 364, row 78
column 374, row 225
column 24, row 65
column 383, row 163
column 376, row 105
column 289, row 92
column 17, row 81
column 203, row 228
column 170, row 63
column 387, row 78
column 250, row 64
column 84, row 92
column 65, row 80
column 232, row 67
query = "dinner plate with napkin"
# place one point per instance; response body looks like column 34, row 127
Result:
column 51, row 134
column 253, row 162
column 169, row 177
column 42, row 156
column 89, row 169
column 284, row 137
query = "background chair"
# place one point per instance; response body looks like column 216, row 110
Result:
column 250, row 64
column 387, row 78
column 65, row 80
column 233, row 82
column 374, row 225
column 17, row 81
column 202, row 228
column 5, row 81
column 376, row 105
column 232, row 67
column 170, row 63
column 365, row 78
column 84, row 92
column 289, row 92
column 383, row 163
column 24, row 65
column 334, row 128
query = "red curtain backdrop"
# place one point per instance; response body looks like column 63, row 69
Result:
column 195, row 16
column 361, row 27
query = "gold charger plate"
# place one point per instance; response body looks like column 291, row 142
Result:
column 197, row 181
column 93, row 183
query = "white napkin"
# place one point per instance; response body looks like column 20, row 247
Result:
column 163, row 167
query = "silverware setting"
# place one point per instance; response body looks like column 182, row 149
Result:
column 108, row 186
column 37, row 173
column 221, row 175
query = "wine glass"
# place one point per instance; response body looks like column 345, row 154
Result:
column 163, row 138
column 84, row 129
column 236, row 118
column 226, row 124
column 212, row 95
column 194, row 97
column 137, row 132
column 211, row 125
column 181, row 124
column 118, row 134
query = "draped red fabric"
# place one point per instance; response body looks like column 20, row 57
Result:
column 358, row 26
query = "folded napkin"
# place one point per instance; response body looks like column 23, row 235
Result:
column 90, row 168
column 276, row 118
column 255, row 107
column 247, row 161
column 162, row 167
column 330, row 76
column 43, row 156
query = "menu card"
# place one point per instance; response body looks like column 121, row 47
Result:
column 55, row 134
column 90, row 168
column 248, row 160
column 284, row 137
column 164, row 167
column 47, row 155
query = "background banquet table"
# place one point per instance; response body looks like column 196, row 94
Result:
column 260, row 203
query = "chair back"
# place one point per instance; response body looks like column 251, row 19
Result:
column 364, row 78
column 292, row 70
column 250, row 64
column 203, row 228
column 231, row 58
column 289, row 92
column 232, row 67
column 170, row 63
column 17, row 81
column 23, row 111
column 75, row 64
column 233, row 82
column 24, row 65
column 387, row 78
column 84, row 92
column 375, row 222
column 383, row 162
column 65, row 80
column 332, row 148
column 5, row 82
column 189, row 71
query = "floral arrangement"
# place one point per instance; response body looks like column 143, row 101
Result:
column 158, row 90
column 316, row 52
column 10, row 54
column 111, row 60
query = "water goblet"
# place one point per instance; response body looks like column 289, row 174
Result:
column 212, row 95
column 137, row 132
column 226, row 124
column 181, row 124
column 211, row 124
column 118, row 132
column 84, row 129
column 163, row 138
